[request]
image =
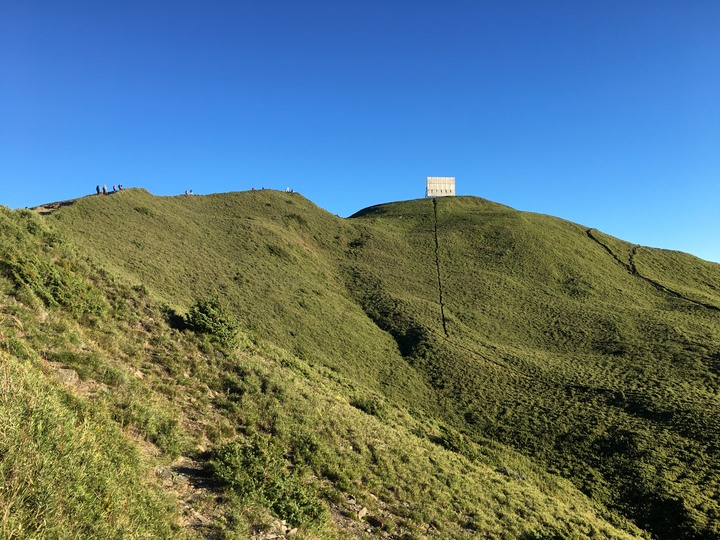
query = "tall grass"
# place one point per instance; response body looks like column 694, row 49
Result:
column 66, row 472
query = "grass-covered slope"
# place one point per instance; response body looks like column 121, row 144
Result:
column 67, row 469
column 105, row 401
column 272, row 256
column 595, row 358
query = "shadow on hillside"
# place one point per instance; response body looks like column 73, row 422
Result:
column 175, row 320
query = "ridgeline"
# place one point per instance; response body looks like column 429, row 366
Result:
column 247, row 365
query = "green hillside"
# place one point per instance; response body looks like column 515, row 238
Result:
column 454, row 366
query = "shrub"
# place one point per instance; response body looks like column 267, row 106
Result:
column 255, row 470
column 368, row 405
column 211, row 318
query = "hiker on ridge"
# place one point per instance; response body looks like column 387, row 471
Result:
column 104, row 189
column 97, row 188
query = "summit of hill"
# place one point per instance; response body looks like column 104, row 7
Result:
column 443, row 368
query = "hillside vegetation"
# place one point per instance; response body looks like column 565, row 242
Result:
column 435, row 368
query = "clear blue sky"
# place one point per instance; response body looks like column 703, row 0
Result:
column 604, row 113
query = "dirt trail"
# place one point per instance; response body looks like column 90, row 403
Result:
column 190, row 483
column 49, row 208
column 632, row 269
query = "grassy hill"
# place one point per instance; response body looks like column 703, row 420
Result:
column 459, row 368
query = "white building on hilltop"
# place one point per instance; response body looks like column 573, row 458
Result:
column 440, row 186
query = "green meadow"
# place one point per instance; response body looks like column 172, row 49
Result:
column 436, row 368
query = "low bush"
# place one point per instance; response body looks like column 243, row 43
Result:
column 368, row 405
column 256, row 471
column 209, row 317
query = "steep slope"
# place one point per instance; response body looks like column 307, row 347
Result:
column 271, row 255
column 67, row 469
column 547, row 340
column 113, row 423
column 597, row 358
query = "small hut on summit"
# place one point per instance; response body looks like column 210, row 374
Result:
column 440, row 186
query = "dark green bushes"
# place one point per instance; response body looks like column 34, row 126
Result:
column 209, row 317
column 256, row 471
column 368, row 405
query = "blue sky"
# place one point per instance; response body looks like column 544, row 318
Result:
column 603, row 113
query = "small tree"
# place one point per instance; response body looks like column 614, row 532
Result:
column 211, row 318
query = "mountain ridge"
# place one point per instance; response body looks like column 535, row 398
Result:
column 593, row 358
